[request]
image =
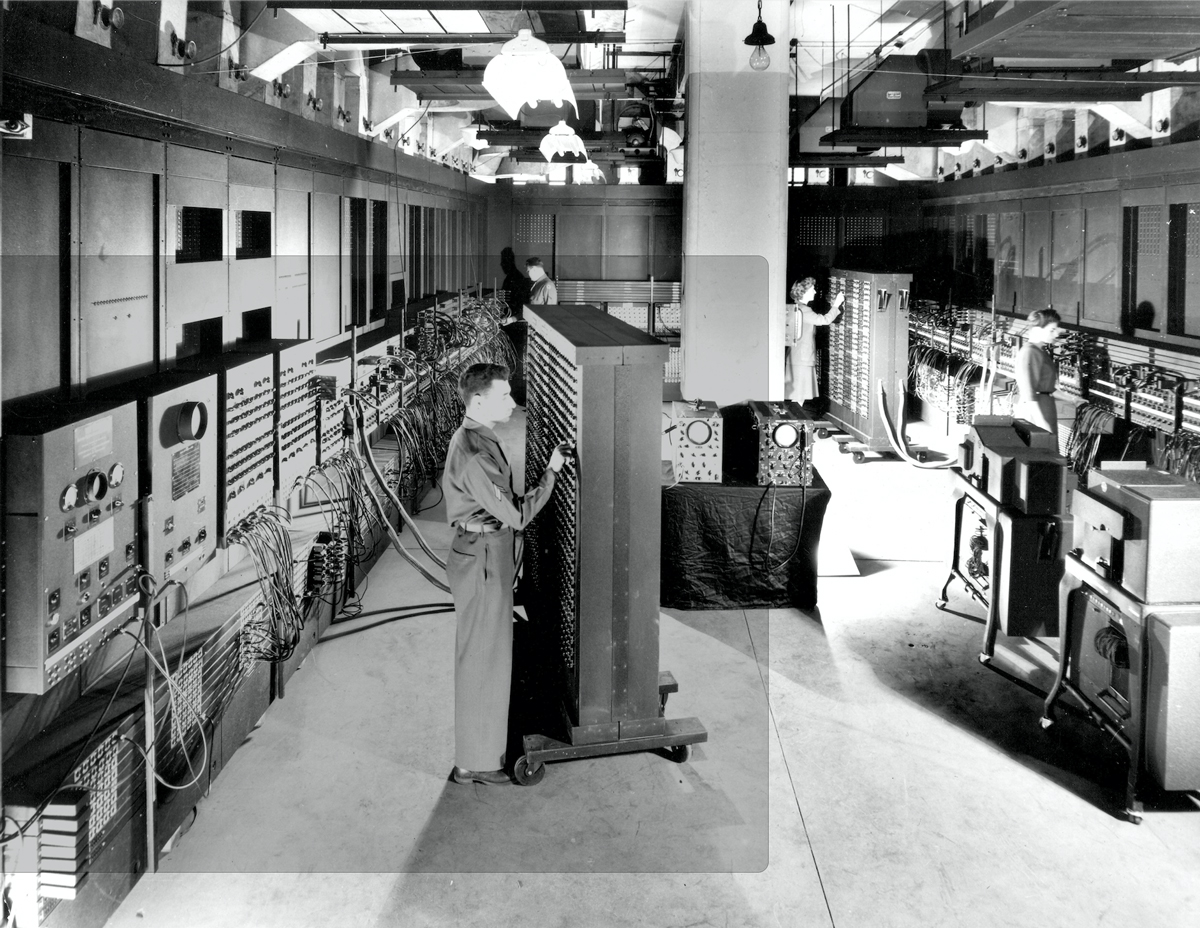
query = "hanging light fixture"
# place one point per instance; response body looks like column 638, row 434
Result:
column 525, row 72
column 562, row 146
column 759, row 38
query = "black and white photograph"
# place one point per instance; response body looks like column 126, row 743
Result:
column 599, row 463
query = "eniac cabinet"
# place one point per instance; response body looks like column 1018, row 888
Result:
column 592, row 555
column 867, row 344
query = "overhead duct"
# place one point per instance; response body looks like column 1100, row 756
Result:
column 892, row 94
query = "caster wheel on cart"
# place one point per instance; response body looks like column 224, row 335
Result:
column 526, row 776
column 1045, row 721
column 922, row 457
column 679, row 753
column 859, row 457
column 939, row 604
column 842, row 448
column 822, row 433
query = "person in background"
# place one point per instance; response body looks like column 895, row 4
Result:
column 801, row 360
column 515, row 291
column 542, row 290
column 1036, row 373
column 481, row 568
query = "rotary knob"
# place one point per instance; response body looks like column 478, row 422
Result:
column 116, row 474
column 69, row 498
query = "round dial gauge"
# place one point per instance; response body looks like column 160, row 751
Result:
column 69, row 498
column 698, row 432
column 785, row 436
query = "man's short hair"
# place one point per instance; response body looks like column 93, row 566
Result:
column 533, row 262
column 478, row 378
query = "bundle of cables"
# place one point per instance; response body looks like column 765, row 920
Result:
column 933, row 381
column 1181, row 455
column 273, row 632
column 342, row 490
column 359, row 455
column 1092, row 422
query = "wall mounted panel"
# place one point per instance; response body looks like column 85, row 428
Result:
column 118, row 250
column 251, row 237
column 32, row 275
column 326, row 262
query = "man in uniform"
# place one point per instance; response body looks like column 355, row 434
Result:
column 542, row 290
column 480, row 567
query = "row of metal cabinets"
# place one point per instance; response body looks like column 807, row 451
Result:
column 1115, row 260
column 118, row 251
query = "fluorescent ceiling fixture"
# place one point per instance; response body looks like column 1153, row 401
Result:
column 525, row 71
column 291, row 56
column 468, row 21
column 561, row 144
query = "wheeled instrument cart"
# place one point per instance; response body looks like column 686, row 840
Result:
column 592, row 555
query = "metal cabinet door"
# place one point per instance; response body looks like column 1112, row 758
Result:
column 116, row 271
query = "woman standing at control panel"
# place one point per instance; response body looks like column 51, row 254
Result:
column 1036, row 373
column 801, row 359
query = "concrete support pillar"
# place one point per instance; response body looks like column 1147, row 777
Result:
column 735, row 204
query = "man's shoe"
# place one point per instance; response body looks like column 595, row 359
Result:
column 493, row 777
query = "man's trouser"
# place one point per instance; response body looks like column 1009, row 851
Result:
column 480, row 570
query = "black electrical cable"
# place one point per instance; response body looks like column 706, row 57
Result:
column 448, row 608
column 185, row 64
column 87, row 743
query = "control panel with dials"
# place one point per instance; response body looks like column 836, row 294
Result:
column 71, row 550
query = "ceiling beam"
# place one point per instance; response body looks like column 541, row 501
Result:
column 531, row 138
column 842, row 160
column 395, row 39
column 515, row 6
column 1066, row 86
column 915, row 137
column 979, row 42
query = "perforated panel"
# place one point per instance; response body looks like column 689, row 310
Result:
column 636, row 314
column 189, row 682
column 99, row 774
column 1149, row 231
column 535, row 228
column 816, row 230
column 552, row 395
column 673, row 369
column 1193, row 233
column 864, row 230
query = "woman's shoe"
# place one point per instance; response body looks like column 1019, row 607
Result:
column 493, row 777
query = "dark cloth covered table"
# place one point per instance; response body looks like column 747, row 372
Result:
column 710, row 559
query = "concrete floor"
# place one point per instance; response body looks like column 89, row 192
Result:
column 862, row 769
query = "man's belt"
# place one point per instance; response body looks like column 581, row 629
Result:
column 480, row 528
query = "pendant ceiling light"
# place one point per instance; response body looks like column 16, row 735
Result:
column 525, row 72
column 562, row 145
column 759, row 37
